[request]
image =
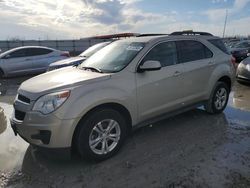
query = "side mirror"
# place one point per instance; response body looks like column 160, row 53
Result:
column 150, row 66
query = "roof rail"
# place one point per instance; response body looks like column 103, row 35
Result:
column 191, row 33
column 150, row 34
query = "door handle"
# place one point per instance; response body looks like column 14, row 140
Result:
column 177, row 73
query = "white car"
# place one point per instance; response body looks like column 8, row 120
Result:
column 28, row 60
column 74, row 61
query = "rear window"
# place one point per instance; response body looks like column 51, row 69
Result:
column 219, row 44
column 192, row 51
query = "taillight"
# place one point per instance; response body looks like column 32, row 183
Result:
column 233, row 61
column 66, row 54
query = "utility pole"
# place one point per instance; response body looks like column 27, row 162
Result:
column 225, row 24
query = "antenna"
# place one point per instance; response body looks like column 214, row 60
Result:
column 225, row 25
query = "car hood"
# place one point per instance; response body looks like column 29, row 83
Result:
column 67, row 61
column 58, row 80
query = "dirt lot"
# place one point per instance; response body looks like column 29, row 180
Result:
column 193, row 149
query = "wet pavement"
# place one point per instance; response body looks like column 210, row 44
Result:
column 193, row 149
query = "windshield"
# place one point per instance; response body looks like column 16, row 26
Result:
column 114, row 57
column 93, row 49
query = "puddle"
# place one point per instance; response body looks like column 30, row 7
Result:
column 238, row 119
column 12, row 148
column 240, row 97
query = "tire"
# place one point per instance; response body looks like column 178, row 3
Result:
column 95, row 129
column 218, row 99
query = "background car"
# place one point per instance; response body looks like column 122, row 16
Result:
column 240, row 50
column 28, row 60
column 243, row 71
column 79, row 59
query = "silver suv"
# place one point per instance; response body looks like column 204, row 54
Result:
column 127, row 84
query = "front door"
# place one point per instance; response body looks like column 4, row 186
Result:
column 160, row 91
column 17, row 62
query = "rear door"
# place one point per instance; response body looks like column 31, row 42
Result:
column 40, row 58
column 160, row 91
column 198, row 65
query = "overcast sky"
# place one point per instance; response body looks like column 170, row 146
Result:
column 73, row 19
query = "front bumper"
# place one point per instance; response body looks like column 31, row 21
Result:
column 45, row 131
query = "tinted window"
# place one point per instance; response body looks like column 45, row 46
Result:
column 192, row 51
column 37, row 51
column 18, row 53
column 165, row 53
column 219, row 44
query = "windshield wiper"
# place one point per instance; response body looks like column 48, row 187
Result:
column 92, row 68
column 83, row 56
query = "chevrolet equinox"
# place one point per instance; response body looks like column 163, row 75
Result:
column 127, row 84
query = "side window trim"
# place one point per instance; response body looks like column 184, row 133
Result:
column 142, row 58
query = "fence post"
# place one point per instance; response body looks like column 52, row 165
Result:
column 74, row 46
column 56, row 44
column 8, row 45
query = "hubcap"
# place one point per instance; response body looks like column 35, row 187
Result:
column 104, row 137
column 221, row 98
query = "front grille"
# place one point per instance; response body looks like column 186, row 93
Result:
column 19, row 115
column 23, row 99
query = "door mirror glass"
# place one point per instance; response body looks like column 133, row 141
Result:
column 150, row 66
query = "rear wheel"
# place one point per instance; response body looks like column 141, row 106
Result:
column 101, row 134
column 219, row 98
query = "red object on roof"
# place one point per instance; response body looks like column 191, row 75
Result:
column 116, row 35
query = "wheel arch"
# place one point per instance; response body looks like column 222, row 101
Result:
column 227, row 80
column 115, row 106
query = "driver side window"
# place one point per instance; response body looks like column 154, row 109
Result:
column 165, row 53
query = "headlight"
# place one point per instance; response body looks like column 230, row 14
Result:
column 49, row 103
column 248, row 67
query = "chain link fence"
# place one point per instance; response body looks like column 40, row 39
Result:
column 75, row 47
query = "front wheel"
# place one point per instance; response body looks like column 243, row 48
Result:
column 219, row 98
column 101, row 134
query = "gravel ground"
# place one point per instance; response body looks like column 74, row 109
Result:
column 193, row 149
